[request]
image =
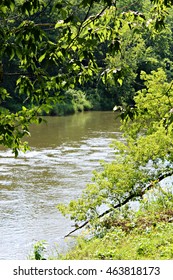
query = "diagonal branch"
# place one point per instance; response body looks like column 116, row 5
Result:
column 128, row 199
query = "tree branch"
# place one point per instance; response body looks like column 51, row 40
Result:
column 126, row 200
column 86, row 22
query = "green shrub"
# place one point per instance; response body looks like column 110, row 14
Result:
column 143, row 234
column 73, row 101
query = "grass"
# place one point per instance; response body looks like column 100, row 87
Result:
column 145, row 234
column 155, row 242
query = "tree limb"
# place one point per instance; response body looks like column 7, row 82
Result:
column 131, row 196
column 86, row 22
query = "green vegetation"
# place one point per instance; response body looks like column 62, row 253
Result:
column 39, row 250
column 55, row 60
column 144, row 157
column 49, row 48
column 142, row 161
column 128, row 234
column 73, row 101
column 144, row 234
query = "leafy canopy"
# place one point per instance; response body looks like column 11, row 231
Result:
column 45, row 57
column 48, row 46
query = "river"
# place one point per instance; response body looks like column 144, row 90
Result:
column 64, row 152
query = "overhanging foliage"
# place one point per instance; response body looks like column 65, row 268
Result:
column 55, row 53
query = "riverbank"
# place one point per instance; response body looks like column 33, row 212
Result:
column 146, row 234
column 72, row 101
column 151, row 243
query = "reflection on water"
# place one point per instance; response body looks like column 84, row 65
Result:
column 64, row 153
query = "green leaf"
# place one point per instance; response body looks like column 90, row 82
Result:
column 120, row 81
column 42, row 57
column 60, row 23
column 12, row 6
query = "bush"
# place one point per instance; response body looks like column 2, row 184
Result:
column 73, row 101
column 144, row 234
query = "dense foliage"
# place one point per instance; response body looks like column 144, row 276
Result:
column 47, row 55
column 142, row 160
column 143, row 234
column 139, row 177
column 132, row 235
column 49, row 47
column 118, row 51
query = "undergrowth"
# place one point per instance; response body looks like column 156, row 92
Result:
column 146, row 233
column 132, row 235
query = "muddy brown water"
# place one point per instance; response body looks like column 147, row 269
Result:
column 64, row 152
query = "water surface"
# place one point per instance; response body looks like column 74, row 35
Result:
column 64, row 152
